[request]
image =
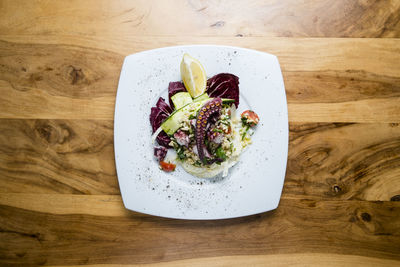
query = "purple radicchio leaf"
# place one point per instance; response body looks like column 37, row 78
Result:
column 157, row 116
column 160, row 153
column 224, row 85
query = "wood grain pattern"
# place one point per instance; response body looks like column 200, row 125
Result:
column 43, row 156
column 340, row 83
column 60, row 203
column 296, row 259
column 326, row 161
column 342, row 18
column 134, row 238
column 343, row 161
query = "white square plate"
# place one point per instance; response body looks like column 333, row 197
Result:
column 254, row 185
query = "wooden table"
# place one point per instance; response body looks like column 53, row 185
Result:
column 59, row 198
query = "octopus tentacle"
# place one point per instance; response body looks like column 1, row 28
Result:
column 209, row 109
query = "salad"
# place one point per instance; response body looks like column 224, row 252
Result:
column 199, row 128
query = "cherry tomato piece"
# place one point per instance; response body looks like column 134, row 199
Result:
column 251, row 117
column 167, row 167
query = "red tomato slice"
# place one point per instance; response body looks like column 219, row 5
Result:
column 168, row 167
column 251, row 116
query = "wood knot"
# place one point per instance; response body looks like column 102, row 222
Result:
column 75, row 74
column 365, row 217
column 394, row 124
column 46, row 132
column 395, row 198
column 336, row 189
column 53, row 133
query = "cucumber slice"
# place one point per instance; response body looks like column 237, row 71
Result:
column 202, row 97
column 181, row 99
column 205, row 96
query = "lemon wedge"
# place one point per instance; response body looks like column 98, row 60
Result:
column 193, row 76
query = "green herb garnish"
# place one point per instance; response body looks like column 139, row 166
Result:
column 245, row 132
column 244, row 121
column 180, row 153
column 220, row 153
column 217, row 130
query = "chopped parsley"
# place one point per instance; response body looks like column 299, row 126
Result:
column 220, row 153
column 180, row 153
column 217, row 130
column 245, row 132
